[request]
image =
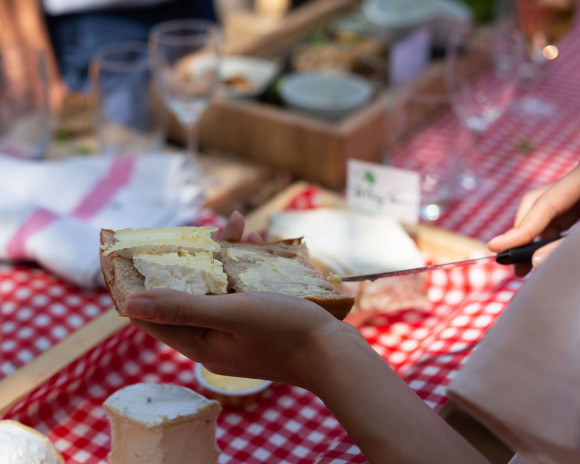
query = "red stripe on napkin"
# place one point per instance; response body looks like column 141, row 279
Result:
column 35, row 222
column 106, row 188
column 99, row 197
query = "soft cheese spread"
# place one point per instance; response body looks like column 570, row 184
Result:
column 264, row 272
column 164, row 240
column 198, row 274
column 162, row 424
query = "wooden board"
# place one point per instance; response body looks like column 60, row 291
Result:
column 28, row 378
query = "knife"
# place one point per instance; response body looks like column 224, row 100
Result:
column 521, row 254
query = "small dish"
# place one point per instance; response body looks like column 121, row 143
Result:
column 326, row 95
column 246, row 76
column 230, row 391
column 400, row 17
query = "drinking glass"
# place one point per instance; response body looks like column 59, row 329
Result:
column 482, row 72
column 125, row 120
column 422, row 136
column 186, row 55
column 25, row 123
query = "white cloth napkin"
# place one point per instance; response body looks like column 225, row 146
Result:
column 523, row 382
column 51, row 212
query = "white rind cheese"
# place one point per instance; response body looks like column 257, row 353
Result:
column 349, row 242
column 198, row 274
column 165, row 240
column 162, row 424
column 20, row 444
column 344, row 242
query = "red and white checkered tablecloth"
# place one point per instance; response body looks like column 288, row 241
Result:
column 426, row 346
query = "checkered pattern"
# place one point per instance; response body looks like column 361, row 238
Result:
column 426, row 346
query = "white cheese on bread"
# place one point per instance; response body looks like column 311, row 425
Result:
column 164, row 240
column 198, row 274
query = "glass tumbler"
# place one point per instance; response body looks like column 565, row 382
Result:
column 422, row 137
column 25, row 122
column 126, row 120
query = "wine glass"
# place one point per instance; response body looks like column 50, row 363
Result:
column 482, row 72
column 543, row 23
column 186, row 55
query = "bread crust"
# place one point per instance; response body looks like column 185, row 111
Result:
column 122, row 279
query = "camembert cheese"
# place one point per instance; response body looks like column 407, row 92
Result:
column 162, row 424
column 20, row 444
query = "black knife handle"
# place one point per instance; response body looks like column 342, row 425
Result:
column 523, row 254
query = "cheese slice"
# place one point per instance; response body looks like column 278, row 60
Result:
column 164, row 240
column 198, row 274
column 20, row 444
column 162, row 424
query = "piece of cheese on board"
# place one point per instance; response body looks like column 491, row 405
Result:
column 155, row 423
column 348, row 242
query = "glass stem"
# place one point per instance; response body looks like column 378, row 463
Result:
column 470, row 148
column 191, row 142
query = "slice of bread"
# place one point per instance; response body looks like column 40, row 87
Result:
column 281, row 267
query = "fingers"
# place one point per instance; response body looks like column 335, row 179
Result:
column 254, row 237
column 543, row 212
column 179, row 308
column 233, row 231
column 234, row 228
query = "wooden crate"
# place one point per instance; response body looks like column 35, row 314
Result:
column 309, row 148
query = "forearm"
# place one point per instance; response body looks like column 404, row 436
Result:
column 384, row 417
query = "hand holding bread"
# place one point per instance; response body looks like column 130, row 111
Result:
column 243, row 334
column 190, row 260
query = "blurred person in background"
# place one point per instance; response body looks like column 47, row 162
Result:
column 72, row 30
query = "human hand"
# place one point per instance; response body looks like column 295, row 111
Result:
column 545, row 212
column 262, row 335
column 258, row 335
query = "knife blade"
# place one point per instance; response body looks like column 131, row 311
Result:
column 521, row 254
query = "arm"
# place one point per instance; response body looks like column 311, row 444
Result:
column 291, row 340
column 28, row 26
column 546, row 212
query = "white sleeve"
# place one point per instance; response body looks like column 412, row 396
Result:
column 58, row 7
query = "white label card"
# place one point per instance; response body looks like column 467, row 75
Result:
column 375, row 188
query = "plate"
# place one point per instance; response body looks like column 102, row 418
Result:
column 246, row 76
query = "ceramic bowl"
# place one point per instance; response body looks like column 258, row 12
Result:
column 230, row 391
column 329, row 96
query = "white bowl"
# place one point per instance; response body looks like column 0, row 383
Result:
column 257, row 73
column 399, row 17
column 326, row 95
